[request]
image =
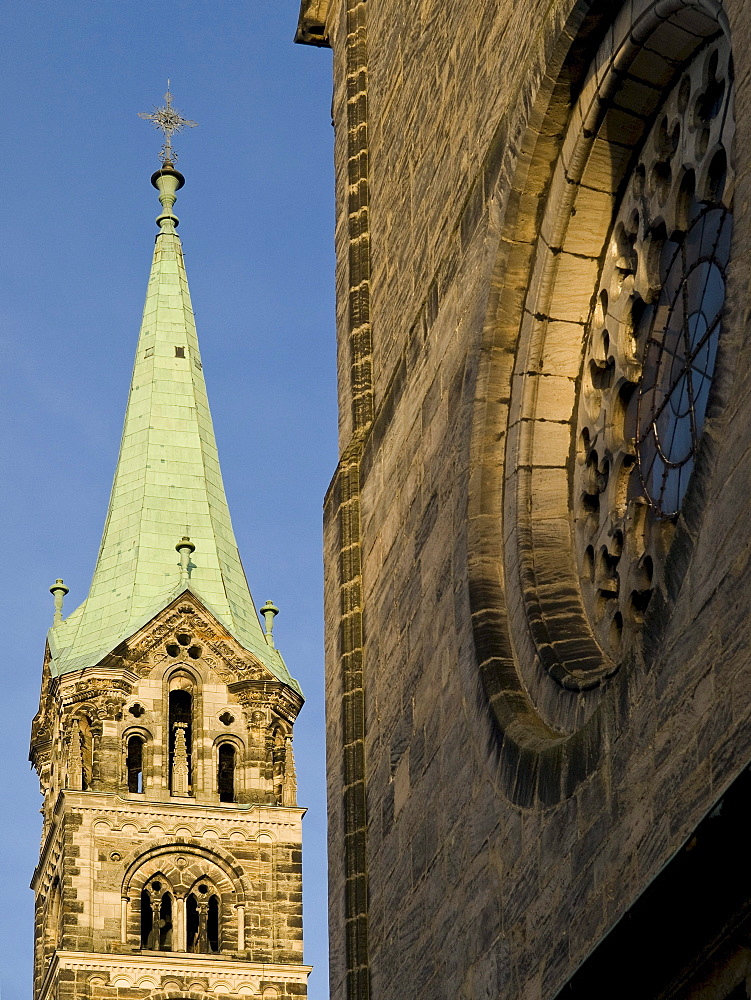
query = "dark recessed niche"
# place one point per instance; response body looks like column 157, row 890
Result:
column 691, row 922
column 183, row 638
column 194, row 652
column 227, row 718
column 137, row 710
column 172, row 648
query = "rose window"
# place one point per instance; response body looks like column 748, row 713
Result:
column 651, row 349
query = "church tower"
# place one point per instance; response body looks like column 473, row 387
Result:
column 171, row 848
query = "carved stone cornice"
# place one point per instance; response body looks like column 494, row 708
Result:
column 281, row 699
column 118, row 812
column 147, row 972
column 101, row 697
column 311, row 23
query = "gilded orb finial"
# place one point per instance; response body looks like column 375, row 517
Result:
column 168, row 120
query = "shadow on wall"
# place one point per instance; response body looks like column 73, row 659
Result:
column 688, row 934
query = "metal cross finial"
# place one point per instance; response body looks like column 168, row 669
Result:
column 168, row 120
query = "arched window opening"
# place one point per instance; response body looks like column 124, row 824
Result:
column 147, row 920
column 226, row 772
column 165, row 923
column 156, row 918
column 134, row 764
column 202, row 921
column 180, row 741
column 193, row 924
column 212, row 924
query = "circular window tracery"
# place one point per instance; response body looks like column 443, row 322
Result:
column 679, row 360
column 556, row 614
column 651, row 349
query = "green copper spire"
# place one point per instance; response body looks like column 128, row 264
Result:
column 168, row 526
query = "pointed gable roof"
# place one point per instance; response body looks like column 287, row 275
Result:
column 167, row 485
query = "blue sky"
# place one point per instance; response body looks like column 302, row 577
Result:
column 77, row 226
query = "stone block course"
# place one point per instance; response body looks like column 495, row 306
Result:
column 103, row 846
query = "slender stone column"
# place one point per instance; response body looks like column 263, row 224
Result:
column 156, row 918
column 75, row 760
column 240, row 927
column 181, row 925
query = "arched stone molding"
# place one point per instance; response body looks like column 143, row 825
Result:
column 165, row 852
column 554, row 695
column 183, row 995
column 264, row 836
column 179, row 667
column 227, row 990
column 236, row 742
column 181, row 866
column 136, row 730
column 196, row 995
column 158, row 868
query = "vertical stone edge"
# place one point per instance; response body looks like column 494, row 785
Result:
column 343, row 511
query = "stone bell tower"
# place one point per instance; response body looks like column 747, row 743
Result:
column 171, row 848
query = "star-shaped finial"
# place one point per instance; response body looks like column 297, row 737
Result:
column 168, row 120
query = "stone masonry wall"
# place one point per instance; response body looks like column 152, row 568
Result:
column 102, row 841
column 469, row 894
column 156, row 872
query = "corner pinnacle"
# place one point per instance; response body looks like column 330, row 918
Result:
column 58, row 591
column 269, row 613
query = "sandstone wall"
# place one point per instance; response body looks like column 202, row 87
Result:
column 480, row 881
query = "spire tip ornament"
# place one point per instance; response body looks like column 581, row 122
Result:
column 169, row 121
